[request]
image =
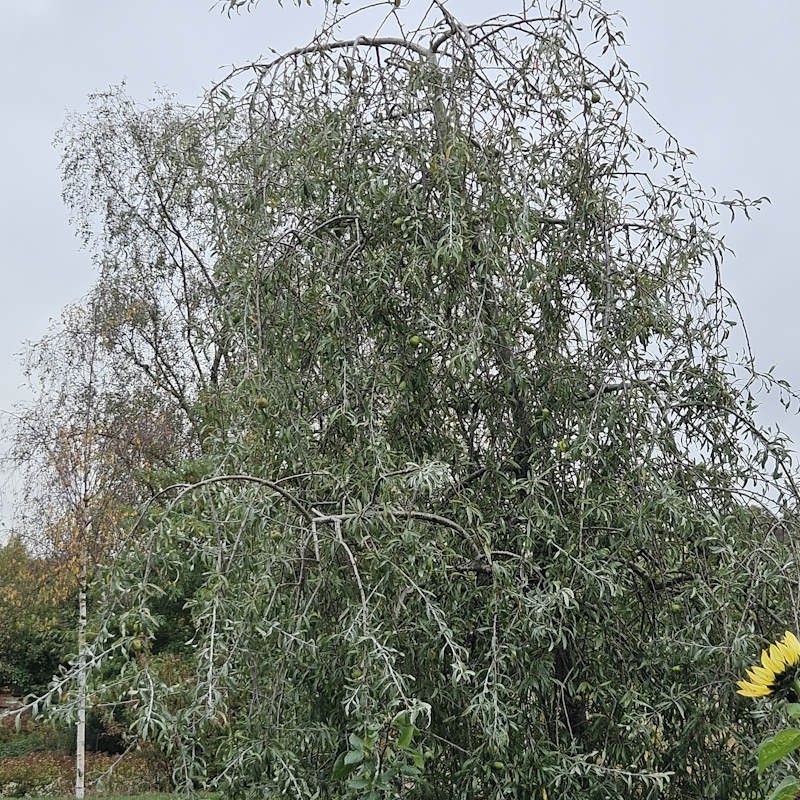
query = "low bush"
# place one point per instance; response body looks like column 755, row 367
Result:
column 25, row 743
column 53, row 774
column 35, row 773
column 35, row 736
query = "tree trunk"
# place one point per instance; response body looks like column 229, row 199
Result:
column 80, row 744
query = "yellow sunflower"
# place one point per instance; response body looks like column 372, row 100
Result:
column 777, row 671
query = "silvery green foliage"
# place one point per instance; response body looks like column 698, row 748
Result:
column 476, row 505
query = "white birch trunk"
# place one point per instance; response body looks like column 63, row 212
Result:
column 80, row 743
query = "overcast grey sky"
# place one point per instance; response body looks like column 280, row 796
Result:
column 722, row 77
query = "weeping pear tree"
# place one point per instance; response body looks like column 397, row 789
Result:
column 476, row 504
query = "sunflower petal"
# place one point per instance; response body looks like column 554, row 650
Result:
column 752, row 677
column 769, row 664
column 791, row 643
column 778, row 656
column 752, row 690
column 787, row 654
column 761, row 675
